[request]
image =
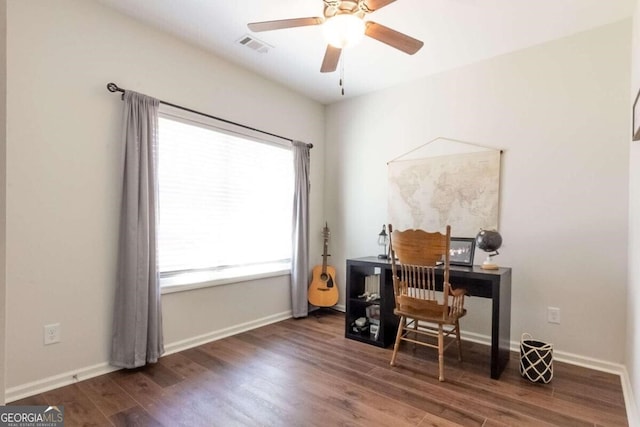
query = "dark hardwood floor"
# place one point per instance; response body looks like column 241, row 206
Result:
column 305, row 373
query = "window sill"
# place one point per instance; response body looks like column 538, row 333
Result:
column 206, row 279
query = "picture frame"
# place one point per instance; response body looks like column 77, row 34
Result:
column 462, row 251
column 635, row 120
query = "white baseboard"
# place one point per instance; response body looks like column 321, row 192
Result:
column 29, row 389
column 337, row 307
column 629, row 399
column 560, row 356
column 340, row 307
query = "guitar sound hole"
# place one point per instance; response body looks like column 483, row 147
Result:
column 324, row 277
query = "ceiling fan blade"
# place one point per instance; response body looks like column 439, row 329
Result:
column 393, row 38
column 331, row 58
column 283, row 23
column 373, row 5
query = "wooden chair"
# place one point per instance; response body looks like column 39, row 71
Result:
column 424, row 314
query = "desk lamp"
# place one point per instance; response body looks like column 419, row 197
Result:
column 489, row 241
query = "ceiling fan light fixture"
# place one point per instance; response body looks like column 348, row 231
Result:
column 343, row 30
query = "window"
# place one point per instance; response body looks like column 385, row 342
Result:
column 225, row 200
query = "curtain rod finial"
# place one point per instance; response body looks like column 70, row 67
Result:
column 112, row 87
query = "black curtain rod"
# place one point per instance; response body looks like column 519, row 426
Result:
column 112, row 87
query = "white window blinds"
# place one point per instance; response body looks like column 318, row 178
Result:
column 225, row 197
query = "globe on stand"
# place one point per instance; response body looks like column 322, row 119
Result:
column 489, row 241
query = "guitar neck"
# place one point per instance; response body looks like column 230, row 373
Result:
column 325, row 234
column 324, row 256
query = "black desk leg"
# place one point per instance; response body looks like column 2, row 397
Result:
column 501, row 325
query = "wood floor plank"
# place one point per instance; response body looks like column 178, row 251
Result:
column 528, row 394
column 145, row 392
column 160, row 375
column 284, row 369
column 230, row 385
column 356, row 373
column 303, row 372
column 35, row 400
column 183, row 366
column 180, row 404
column 134, row 417
column 79, row 410
column 109, row 397
column 367, row 406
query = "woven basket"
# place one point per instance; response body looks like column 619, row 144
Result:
column 536, row 359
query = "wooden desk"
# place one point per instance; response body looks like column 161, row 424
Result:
column 493, row 284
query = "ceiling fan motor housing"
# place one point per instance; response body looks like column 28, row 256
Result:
column 345, row 7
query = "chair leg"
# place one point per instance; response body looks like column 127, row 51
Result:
column 401, row 325
column 459, row 342
column 415, row 333
column 441, row 352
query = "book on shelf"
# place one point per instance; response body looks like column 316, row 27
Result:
column 372, row 284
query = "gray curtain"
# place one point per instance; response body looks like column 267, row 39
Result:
column 300, row 256
column 137, row 322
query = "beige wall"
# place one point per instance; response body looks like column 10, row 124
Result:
column 633, row 287
column 559, row 111
column 64, row 180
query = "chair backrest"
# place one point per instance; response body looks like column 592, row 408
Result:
column 418, row 254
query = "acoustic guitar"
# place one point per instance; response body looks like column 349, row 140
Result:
column 323, row 291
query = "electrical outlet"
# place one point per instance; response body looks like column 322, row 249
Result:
column 553, row 315
column 52, row 333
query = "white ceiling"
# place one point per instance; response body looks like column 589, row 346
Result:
column 454, row 32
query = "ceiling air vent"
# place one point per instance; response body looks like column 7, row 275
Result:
column 254, row 44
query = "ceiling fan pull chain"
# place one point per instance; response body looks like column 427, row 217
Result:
column 342, row 74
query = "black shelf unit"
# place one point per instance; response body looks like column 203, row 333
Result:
column 357, row 271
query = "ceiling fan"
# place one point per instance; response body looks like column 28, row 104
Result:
column 344, row 25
